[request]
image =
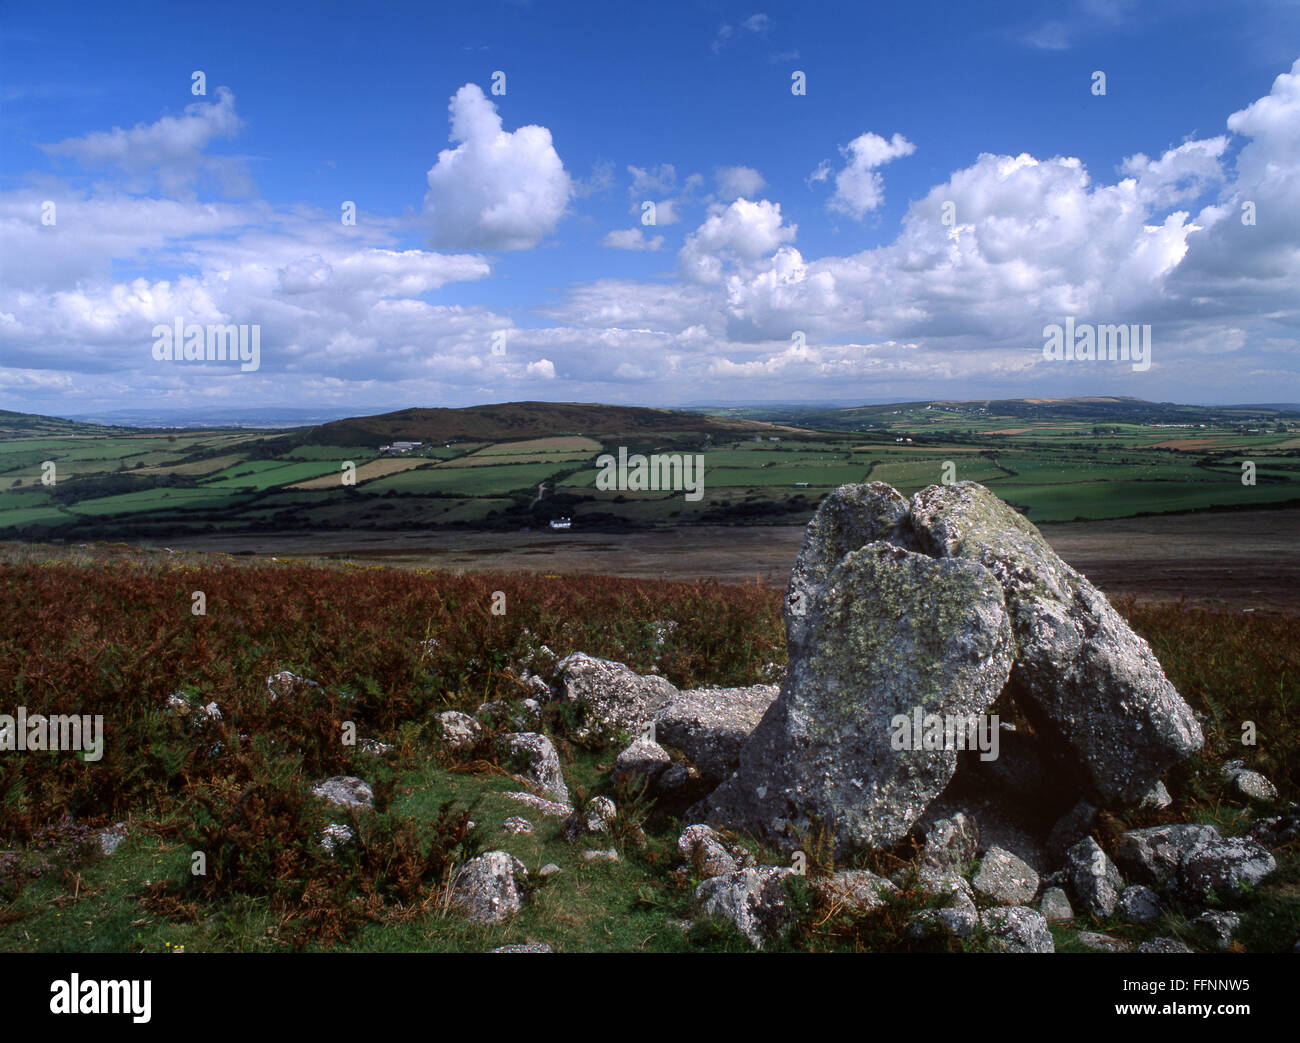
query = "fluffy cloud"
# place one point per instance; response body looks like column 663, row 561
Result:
column 742, row 232
column 168, row 152
column 497, row 189
column 859, row 188
column 738, row 181
column 632, row 239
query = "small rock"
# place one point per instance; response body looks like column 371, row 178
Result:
column 490, row 889
column 1094, row 878
column 335, row 837
column 1139, row 904
column 516, row 825
column 550, row 869
column 459, row 730
column 644, row 759
column 553, row 808
column 701, row 848
column 1163, row 945
column 1005, row 879
column 540, row 763
column 1069, row 829
column 1223, row 868
column 373, row 747
column 1102, row 942
column 754, row 900
column 1152, row 855
column 1017, row 929
column 345, row 790
column 951, row 844
column 599, row 814
column 286, row 683
column 855, row 889
column 111, row 839
column 1156, row 799
column 958, row 920
column 1254, row 786
column 525, row 947
column 601, row 856
column 1221, row 927
column 1055, row 905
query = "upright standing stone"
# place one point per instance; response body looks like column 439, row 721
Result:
column 891, row 633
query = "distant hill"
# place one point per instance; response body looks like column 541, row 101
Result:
column 519, row 420
column 1095, row 409
column 33, row 425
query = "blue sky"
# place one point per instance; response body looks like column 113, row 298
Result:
column 800, row 250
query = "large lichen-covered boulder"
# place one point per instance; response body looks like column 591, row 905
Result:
column 847, row 520
column 891, row 633
column 1084, row 676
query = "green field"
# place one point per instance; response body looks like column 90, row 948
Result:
column 1060, row 461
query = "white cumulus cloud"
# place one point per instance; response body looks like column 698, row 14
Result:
column 497, row 189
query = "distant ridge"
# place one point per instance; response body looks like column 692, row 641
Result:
column 518, row 420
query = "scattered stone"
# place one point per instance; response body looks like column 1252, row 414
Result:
column 286, row 684
column 959, row 920
column 550, row 869
column 540, row 762
column 1254, row 787
column 1168, row 945
column 525, row 947
column 1102, row 942
column 1223, row 868
column 826, row 748
column 701, row 848
column 345, row 790
column 1156, row 799
column 111, row 839
column 1055, row 905
column 553, row 808
column 373, row 747
column 490, row 889
column 644, row 759
column 856, row 889
column 1152, row 855
column 1220, row 927
column 599, row 814
column 614, row 697
column 336, row 836
column 754, row 900
column 1005, row 879
column 951, row 844
column 1139, row 904
column 1093, row 876
column 1017, row 929
column 1089, row 679
column 517, row 825
column 709, row 725
column 609, row 855
column 459, row 730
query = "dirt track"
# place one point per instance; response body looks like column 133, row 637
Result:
column 1237, row 560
